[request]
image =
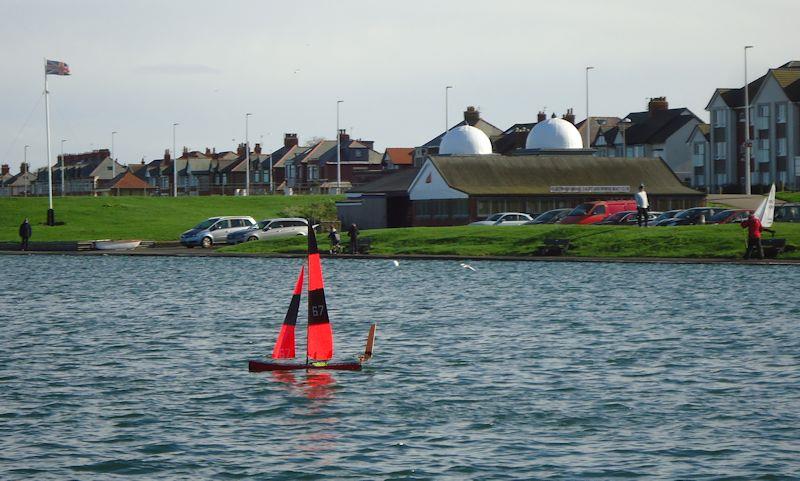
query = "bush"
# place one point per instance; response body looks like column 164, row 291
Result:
column 324, row 210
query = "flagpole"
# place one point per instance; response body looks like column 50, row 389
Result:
column 50, row 212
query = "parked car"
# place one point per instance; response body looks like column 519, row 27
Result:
column 271, row 229
column 505, row 218
column 549, row 217
column 691, row 216
column 664, row 216
column 729, row 216
column 787, row 213
column 617, row 218
column 593, row 212
column 215, row 230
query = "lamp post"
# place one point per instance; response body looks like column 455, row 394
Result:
column 63, row 167
column 113, row 163
column 247, row 153
column 27, row 167
column 338, row 151
column 174, row 163
column 588, row 125
column 446, row 107
column 623, row 126
column 747, row 189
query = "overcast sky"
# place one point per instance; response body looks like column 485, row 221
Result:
column 139, row 66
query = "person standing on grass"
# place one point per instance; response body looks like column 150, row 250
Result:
column 352, row 232
column 336, row 240
column 754, row 229
column 642, row 205
column 25, row 233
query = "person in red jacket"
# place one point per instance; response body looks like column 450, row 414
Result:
column 754, row 229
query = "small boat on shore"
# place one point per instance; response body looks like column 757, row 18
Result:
column 109, row 245
column 319, row 335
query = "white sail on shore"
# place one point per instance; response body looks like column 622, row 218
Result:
column 766, row 210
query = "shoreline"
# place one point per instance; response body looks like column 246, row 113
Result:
column 184, row 252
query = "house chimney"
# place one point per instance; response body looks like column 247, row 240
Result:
column 471, row 116
column 290, row 140
column 208, row 151
column 5, row 169
column 257, row 149
column 553, row 115
column 23, row 168
column 569, row 116
column 240, row 150
column 657, row 103
column 343, row 136
column 541, row 116
column 166, row 154
column 185, row 151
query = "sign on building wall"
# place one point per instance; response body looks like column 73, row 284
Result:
column 590, row 189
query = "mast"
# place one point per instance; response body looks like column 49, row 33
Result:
column 50, row 212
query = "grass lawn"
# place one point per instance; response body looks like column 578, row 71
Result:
column 717, row 241
column 150, row 218
column 788, row 196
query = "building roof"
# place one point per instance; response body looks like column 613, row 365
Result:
column 400, row 155
column 535, row 174
column 127, row 180
column 490, row 130
column 704, row 129
column 787, row 76
column 657, row 126
column 394, row 183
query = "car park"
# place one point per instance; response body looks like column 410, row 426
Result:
column 787, row 213
column 271, row 229
column 729, row 216
column 695, row 215
column 662, row 216
column 505, row 218
column 549, row 217
column 215, row 230
column 618, row 218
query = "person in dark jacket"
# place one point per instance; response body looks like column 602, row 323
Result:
column 25, row 234
column 336, row 240
column 352, row 232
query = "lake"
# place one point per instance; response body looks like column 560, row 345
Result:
column 129, row 367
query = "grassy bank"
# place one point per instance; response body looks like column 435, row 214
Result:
column 152, row 218
column 788, row 196
column 718, row 241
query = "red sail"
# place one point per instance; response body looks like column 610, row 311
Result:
column 284, row 346
column 320, row 335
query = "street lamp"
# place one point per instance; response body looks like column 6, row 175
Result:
column 746, row 127
column 63, row 167
column 247, row 152
column 113, row 163
column 338, row 151
column 446, row 109
column 623, row 126
column 174, row 163
column 588, row 125
column 27, row 167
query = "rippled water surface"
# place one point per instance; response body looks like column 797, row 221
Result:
column 128, row 367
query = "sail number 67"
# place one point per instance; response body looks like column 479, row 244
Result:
column 318, row 310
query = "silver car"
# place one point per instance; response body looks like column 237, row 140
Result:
column 215, row 230
column 270, row 229
column 505, row 218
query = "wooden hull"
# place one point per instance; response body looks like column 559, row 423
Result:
column 261, row 366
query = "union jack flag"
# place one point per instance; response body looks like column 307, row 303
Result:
column 54, row 67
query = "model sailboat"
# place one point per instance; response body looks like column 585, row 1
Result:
column 766, row 210
column 319, row 345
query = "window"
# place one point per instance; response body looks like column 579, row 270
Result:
column 600, row 209
column 257, row 176
column 719, row 118
column 781, row 147
column 699, row 148
column 763, row 144
column 719, row 150
column 763, row 110
column 358, row 153
column 780, row 113
column 224, row 179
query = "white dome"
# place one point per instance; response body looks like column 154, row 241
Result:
column 465, row 140
column 554, row 134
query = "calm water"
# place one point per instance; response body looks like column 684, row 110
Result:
column 121, row 368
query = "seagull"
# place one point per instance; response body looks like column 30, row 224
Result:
column 467, row 266
column 396, row 263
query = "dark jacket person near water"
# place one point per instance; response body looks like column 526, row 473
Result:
column 25, row 233
column 352, row 232
column 754, row 229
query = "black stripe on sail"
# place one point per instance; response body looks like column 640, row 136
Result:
column 317, row 308
column 291, row 314
column 312, row 240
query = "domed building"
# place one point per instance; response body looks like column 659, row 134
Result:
column 554, row 134
column 465, row 140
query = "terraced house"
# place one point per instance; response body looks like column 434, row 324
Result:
column 774, row 130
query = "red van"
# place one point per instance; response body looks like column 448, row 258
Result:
column 592, row 212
